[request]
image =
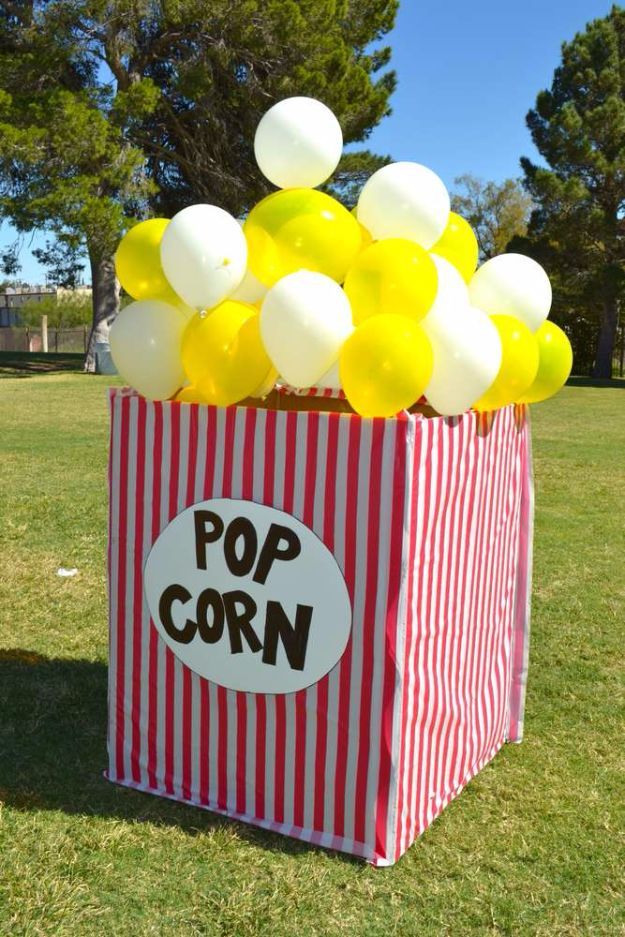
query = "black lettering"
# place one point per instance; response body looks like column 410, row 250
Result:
column 210, row 599
column 239, row 623
column 176, row 593
column 240, row 527
column 271, row 550
column 294, row 637
column 204, row 536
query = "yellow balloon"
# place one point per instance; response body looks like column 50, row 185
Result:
column 391, row 276
column 458, row 245
column 188, row 394
column 385, row 365
column 519, row 364
column 267, row 385
column 298, row 229
column 365, row 235
column 554, row 367
column 138, row 262
column 223, row 355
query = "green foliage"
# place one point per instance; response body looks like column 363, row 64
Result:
column 351, row 174
column 497, row 212
column 112, row 110
column 175, row 122
column 578, row 226
column 65, row 311
column 65, row 167
column 63, row 260
column 199, row 139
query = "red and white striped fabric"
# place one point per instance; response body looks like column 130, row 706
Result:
column 430, row 523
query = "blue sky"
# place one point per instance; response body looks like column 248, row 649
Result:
column 468, row 73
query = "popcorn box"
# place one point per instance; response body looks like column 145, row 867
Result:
column 318, row 623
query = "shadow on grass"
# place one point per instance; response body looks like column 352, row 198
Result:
column 53, row 752
column 28, row 364
column 615, row 383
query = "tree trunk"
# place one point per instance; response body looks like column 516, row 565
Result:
column 607, row 338
column 105, row 304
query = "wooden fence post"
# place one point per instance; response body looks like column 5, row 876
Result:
column 44, row 334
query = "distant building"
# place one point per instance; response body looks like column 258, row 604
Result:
column 12, row 299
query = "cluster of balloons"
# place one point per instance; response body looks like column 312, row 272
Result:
column 383, row 302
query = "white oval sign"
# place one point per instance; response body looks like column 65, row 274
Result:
column 248, row 597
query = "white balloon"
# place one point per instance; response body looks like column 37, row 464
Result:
column 298, row 142
column 512, row 285
column 451, row 292
column 203, row 255
column 145, row 341
column 331, row 379
column 467, row 357
column 304, row 320
column 250, row 290
column 404, row 200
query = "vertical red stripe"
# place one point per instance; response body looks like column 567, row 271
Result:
column 270, row 457
column 368, row 625
column 511, row 564
column 153, row 687
column 299, row 776
column 204, row 724
column 485, row 494
column 420, row 571
column 206, row 795
column 261, row 746
column 480, row 499
column 522, row 580
column 247, row 491
column 289, row 461
column 287, row 505
column 461, row 738
column 395, row 570
column 222, row 748
column 241, row 769
column 459, row 544
column 351, row 513
column 261, row 702
column 494, row 612
column 447, row 604
column 137, row 609
column 121, row 590
column 170, row 660
column 222, row 693
column 502, row 606
column 329, row 503
column 406, row 662
column 432, row 625
column 109, row 556
column 226, row 484
column 485, row 696
column 187, row 677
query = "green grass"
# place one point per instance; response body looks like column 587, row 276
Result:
column 27, row 363
column 533, row 846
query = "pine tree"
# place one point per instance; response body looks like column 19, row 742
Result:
column 112, row 110
column 497, row 212
column 578, row 226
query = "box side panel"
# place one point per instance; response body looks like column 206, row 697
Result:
column 315, row 764
column 523, row 593
column 468, row 482
column 400, row 638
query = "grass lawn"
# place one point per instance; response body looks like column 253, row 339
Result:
column 535, row 845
